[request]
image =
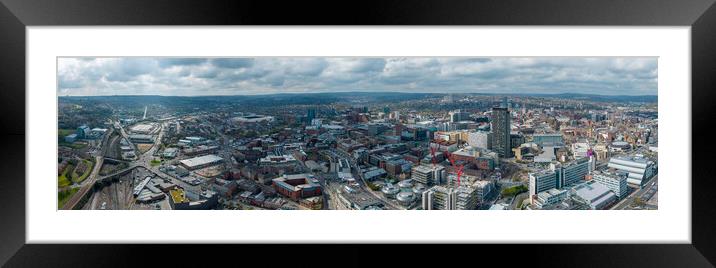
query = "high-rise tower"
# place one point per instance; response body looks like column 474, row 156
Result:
column 501, row 131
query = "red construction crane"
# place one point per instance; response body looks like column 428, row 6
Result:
column 458, row 168
column 433, row 149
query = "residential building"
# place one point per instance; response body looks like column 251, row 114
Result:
column 501, row 131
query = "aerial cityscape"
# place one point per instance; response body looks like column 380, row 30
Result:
column 323, row 133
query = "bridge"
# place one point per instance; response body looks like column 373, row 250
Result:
column 116, row 160
column 79, row 199
column 81, row 195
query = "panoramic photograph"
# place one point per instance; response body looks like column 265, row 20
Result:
column 357, row 133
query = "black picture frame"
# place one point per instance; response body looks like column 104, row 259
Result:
column 15, row 15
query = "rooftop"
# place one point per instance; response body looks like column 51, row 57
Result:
column 591, row 191
column 178, row 196
column 201, row 160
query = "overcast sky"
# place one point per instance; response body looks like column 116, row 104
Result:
column 241, row 76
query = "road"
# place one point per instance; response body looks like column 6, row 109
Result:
column 89, row 182
column 357, row 172
column 638, row 193
column 144, row 160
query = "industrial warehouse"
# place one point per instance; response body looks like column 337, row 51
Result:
column 201, row 162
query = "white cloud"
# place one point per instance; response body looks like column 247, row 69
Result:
column 198, row 76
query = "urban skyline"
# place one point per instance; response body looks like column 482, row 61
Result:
column 384, row 150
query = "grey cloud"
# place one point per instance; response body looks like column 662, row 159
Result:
column 311, row 67
column 169, row 62
column 369, row 65
column 191, row 76
column 233, row 63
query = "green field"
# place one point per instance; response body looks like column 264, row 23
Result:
column 155, row 162
column 61, row 133
column 62, row 180
column 515, row 190
column 63, row 196
column 76, row 145
column 88, row 170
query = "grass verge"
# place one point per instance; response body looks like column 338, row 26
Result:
column 63, row 196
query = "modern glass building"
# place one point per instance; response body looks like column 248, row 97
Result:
column 542, row 181
column 572, row 173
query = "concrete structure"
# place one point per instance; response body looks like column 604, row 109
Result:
column 427, row 174
column 201, row 149
column 501, row 131
column 617, row 183
column 548, row 139
column 550, row 198
column 182, row 200
column 548, row 155
column 451, row 198
column 170, row 152
column 138, row 188
column 639, row 170
column 579, row 149
column 540, row 182
column 457, row 116
column 389, row 191
column 253, row 118
column 443, row 198
column 466, row 198
column 499, row 207
column 619, row 146
column 480, row 139
column 427, row 200
column 593, row 194
column 273, row 160
column 71, row 138
column 572, row 172
column 141, row 138
column 96, row 133
column 141, row 129
column 405, row 198
column 297, row 186
column 375, row 173
column 201, row 162
column 484, row 188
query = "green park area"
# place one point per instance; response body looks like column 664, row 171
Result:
column 514, row 190
column 373, row 186
column 61, row 133
column 155, row 162
column 82, row 170
column 62, row 180
column 64, row 195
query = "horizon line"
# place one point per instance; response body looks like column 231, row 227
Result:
column 396, row 92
